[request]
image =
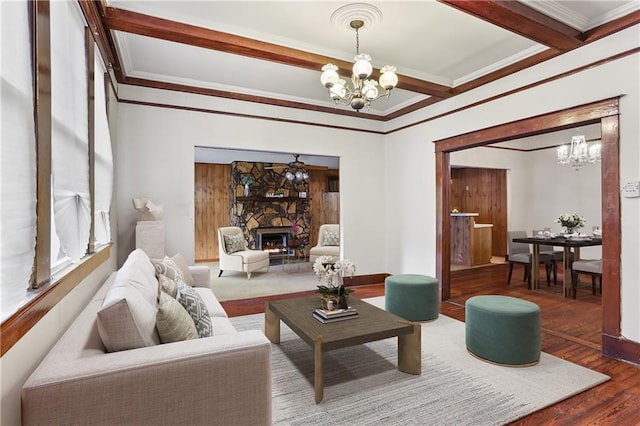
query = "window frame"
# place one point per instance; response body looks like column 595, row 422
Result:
column 46, row 291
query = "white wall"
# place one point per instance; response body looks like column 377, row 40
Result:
column 414, row 145
column 157, row 161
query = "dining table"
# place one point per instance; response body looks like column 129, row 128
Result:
column 568, row 243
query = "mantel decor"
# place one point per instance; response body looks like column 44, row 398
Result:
column 333, row 293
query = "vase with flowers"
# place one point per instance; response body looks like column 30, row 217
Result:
column 571, row 221
column 333, row 293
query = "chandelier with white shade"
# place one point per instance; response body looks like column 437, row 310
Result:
column 579, row 152
column 364, row 90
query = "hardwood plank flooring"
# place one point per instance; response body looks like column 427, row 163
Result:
column 570, row 330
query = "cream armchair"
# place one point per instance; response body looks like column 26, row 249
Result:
column 234, row 254
column 326, row 247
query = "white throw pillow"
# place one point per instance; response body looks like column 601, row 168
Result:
column 173, row 321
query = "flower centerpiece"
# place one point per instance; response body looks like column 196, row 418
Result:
column 571, row 221
column 333, row 293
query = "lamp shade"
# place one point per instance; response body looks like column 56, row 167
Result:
column 388, row 79
column 362, row 67
column 370, row 91
column 329, row 75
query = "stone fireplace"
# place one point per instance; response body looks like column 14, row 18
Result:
column 271, row 206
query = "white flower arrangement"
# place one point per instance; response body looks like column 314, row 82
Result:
column 329, row 268
column 571, row 220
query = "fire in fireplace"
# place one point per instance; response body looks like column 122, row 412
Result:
column 273, row 239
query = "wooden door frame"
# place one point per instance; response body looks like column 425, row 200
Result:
column 605, row 112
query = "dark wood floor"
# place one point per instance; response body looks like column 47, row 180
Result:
column 570, row 330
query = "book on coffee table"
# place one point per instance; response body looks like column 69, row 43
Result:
column 335, row 313
column 334, row 319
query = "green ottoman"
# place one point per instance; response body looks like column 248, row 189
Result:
column 503, row 330
column 412, row 297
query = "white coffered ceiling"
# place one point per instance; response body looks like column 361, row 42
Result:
column 433, row 44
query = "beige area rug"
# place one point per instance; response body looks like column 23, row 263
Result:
column 279, row 279
column 364, row 387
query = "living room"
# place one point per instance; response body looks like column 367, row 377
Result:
column 387, row 172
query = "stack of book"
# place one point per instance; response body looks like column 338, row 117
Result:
column 325, row 316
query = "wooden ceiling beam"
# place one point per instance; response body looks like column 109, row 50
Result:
column 523, row 20
column 151, row 26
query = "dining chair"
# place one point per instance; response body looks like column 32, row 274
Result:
column 586, row 266
column 521, row 253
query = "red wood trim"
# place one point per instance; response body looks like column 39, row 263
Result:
column 521, row 19
column 611, row 229
column 235, row 114
column 17, row 325
column 365, row 279
column 544, row 123
column 606, row 112
column 621, row 348
column 443, row 226
column 612, row 27
column 249, row 98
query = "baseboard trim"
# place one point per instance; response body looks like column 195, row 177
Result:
column 621, row 349
column 365, row 279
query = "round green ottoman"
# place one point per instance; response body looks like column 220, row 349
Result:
column 503, row 329
column 412, row 297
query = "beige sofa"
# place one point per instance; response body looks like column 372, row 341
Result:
column 223, row 379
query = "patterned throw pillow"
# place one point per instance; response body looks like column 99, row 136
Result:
column 196, row 308
column 184, row 269
column 331, row 239
column 173, row 322
column 168, row 285
column 234, row 243
column 167, row 267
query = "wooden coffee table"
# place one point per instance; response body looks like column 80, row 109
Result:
column 372, row 324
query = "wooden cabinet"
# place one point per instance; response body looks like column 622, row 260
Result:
column 470, row 241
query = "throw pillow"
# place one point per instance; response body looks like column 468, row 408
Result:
column 234, row 243
column 168, row 285
column 196, row 308
column 173, row 322
column 184, row 269
column 331, row 239
column 167, row 267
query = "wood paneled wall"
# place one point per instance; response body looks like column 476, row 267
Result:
column 325, row 206
column 211, row 208
column 483, row 191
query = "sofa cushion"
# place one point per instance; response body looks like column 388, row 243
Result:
column 178, row 259
column 127, row 316
column 126, row 320
column 213, row 306
column 222, row 326
column 173, row 321
column 331, row 239
column 168, row 285
column 168, row 267
column 234, row 243
column 196, row 308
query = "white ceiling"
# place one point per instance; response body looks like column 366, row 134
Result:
column 426, row 40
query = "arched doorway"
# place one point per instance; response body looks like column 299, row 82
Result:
column 604, row 112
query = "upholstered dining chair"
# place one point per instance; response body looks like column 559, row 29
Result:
column 234, row 254
column 586, row 266
column 328, row 242
column 558, row 255
column 521, row 253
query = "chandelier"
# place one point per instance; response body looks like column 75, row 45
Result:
column 296, row 170
column 578, row 153
column 364, row 90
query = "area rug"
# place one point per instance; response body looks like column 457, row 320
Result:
column 279, row 279
column 364, row 387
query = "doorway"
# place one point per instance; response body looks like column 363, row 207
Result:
column 605, row 113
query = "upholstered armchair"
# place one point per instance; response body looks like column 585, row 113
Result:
column 234, row 254
column 328, row 242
